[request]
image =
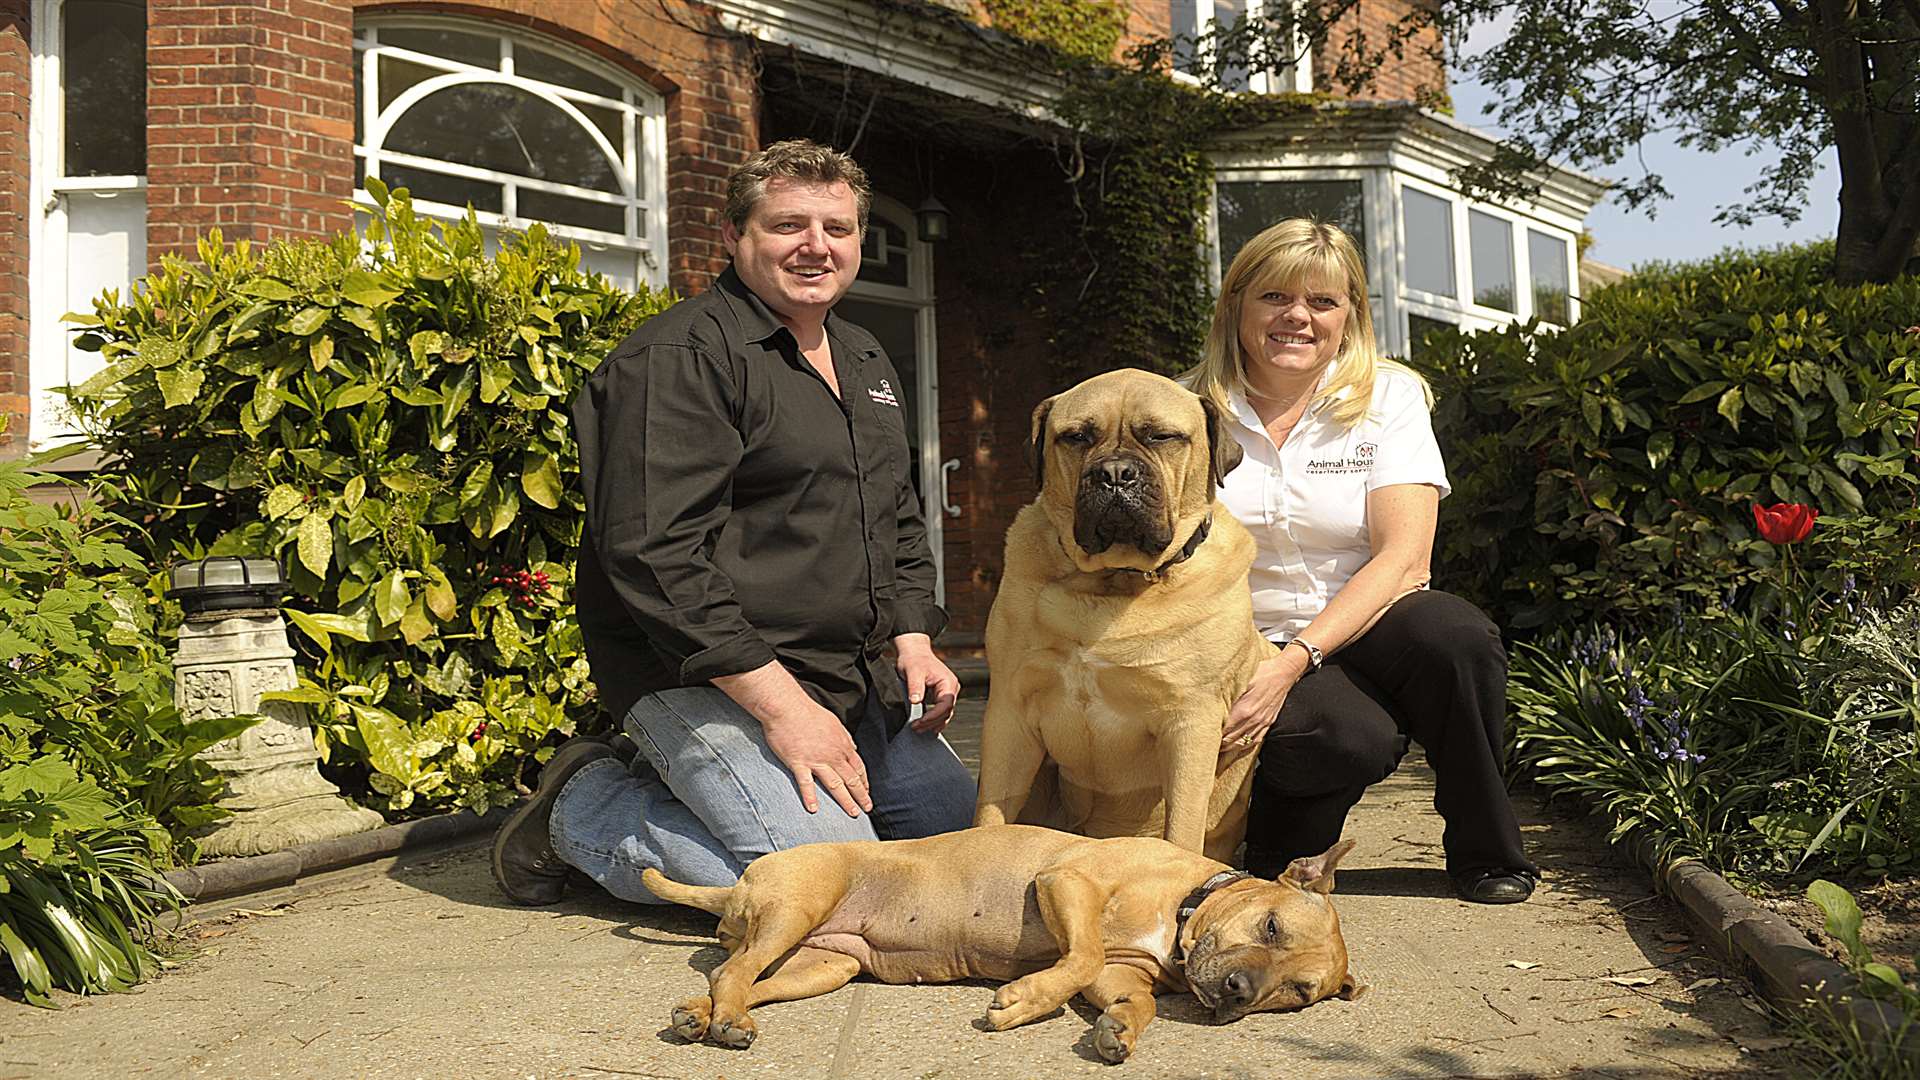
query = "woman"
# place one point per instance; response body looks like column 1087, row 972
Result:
column 1341, row 489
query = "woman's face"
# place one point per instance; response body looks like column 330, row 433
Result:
column 1291, row 331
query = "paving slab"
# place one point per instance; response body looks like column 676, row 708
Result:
column 421, row 969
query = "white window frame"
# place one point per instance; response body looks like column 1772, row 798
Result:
column 919, row 295
column 1463, row 311
column 1383, row 276
column 642, row 156
column 1296, row 78
column 1393, row 301
column 49, row 342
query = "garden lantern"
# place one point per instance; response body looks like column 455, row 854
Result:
column 233, row 648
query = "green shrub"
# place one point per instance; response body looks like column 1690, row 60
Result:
column 99, row 783
column 1611, row 466
column 387, row 417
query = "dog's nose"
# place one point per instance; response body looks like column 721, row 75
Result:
column 1239, row 988
column 1117, row 473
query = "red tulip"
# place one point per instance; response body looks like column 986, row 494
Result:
column 1784, row 523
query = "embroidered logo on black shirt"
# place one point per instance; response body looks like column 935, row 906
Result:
column 884, row 395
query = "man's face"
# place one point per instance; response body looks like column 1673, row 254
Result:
column 800, row 249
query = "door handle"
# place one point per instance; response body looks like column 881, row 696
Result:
column 946, row 470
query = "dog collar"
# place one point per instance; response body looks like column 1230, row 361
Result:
column 1186, row 552
column 1192, row 904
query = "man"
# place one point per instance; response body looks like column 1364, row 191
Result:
column 752, row 544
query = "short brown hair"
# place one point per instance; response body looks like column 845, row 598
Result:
column 794, row 159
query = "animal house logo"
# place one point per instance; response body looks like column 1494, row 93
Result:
column 1360, row 461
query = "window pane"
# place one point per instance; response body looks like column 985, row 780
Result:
column 1429, row 222
column 883, row 254
column 1233, row 66
column 1548, row 256
column 1182, row 18
column 1491, row 242
column 534, row 64
column 566, row 210
column 451, row 44
column 439, row 187
column 1418, row 327
column 104, row 67
column 397, row 76
column 1247, row 207
column 506, row 129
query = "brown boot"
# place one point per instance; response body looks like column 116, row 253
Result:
column 525, row 864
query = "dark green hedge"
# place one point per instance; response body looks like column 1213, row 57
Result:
column 1612, row 467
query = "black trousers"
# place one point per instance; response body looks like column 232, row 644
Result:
column 1431, row 670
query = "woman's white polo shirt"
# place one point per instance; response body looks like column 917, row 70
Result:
column 1306, row 502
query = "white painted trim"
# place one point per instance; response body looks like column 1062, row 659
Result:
column 919, row 295
column 49, row 194
column 640, row 161
column 900, row 43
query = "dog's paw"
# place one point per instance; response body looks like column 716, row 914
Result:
column 690, row 1018
column 737, row 1033
column 1112, row 1038
column 1014, row 1005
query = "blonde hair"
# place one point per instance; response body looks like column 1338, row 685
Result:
column 1297, row 251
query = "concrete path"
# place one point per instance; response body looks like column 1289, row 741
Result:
column 422, row 970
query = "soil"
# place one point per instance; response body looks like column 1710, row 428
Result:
column 1890, row 924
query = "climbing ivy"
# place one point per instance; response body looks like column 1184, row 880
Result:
column 1088, row 29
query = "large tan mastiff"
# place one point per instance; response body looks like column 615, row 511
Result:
column 1123, row 630
column 1058, row 914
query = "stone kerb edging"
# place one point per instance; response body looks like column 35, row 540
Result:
column 257, row 873
column 1772, row 955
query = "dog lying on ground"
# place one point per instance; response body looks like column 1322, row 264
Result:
column 1123, row 630
column 1057, row 914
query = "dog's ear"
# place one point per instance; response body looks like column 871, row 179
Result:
column 1351, row 988
column 1316, row 874
column 1038, row 449
column 1223, row 450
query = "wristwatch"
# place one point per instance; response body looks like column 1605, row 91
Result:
column 1314, row 655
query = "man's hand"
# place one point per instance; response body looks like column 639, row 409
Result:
column 810, row 741
column 1254, row 711
column 930, row 682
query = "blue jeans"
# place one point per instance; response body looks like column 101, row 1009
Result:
column 705, row 796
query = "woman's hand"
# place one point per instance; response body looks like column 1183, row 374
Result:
column 1255, row 709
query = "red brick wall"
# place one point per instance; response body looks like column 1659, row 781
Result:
column 1417, row 75
column 249, row 120
column 706, row 76
column 16, row 85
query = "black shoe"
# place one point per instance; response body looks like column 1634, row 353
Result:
column 1494, row 886
column 525, row 865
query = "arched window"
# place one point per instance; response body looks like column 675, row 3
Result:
column 520, row 129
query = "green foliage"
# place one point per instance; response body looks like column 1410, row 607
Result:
column 98, row 781
column 390, row 424
column 1843, row 1051
column 1739, row 740
column 1090, row 29
column 1785, row 81
column 1612, row 467
column 78, row 918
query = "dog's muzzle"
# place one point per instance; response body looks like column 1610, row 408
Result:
column 1119, row 502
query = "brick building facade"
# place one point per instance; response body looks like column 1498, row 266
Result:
column 261, row 115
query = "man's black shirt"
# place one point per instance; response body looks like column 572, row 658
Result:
column 737, row 512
